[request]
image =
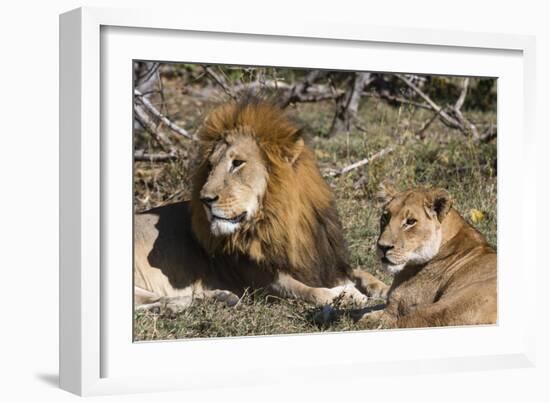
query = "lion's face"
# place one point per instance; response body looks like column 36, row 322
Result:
column 410, row 226
column 235, row 185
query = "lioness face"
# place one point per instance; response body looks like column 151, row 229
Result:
column 410, row 228
column 235, row 186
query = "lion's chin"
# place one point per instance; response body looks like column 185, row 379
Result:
column 393, row 268
column 223, row 227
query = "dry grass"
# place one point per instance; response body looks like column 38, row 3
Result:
column 443, row 157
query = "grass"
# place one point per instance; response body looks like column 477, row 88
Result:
column 441, row 158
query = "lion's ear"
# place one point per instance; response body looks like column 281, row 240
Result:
column 295, row 150
column 440, row 202
column 386, row 192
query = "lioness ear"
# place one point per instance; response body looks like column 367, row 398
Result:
column 386, row 192
column 440, row 202
column 295, row 150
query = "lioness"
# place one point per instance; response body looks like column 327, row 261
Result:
column 445, row 271
column 261, row 216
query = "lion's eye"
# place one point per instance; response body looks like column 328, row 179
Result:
column 237, row 163
column 410, row 221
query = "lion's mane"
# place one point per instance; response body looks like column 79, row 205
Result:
column 297, row 229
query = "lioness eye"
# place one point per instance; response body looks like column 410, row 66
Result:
column 237, row 163
column 410, row 221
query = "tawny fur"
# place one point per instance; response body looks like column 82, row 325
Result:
column 295, row 231
column 455, row 286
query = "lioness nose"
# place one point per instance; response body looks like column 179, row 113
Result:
column 384, row 247
column 208, row 200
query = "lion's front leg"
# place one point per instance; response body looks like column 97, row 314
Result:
column 177, row 304
column 369, row 284
column 287, row 286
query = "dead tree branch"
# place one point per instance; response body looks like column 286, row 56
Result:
column 463, row 92
column 426, row 124
column 355, row 165
column 221, row 81
column 157, row 114
column 298, row 92
column 141, row 155
column 451, row 117
column 271, row 84
column 457, row 110
column 149, row 125
column 348, row 104
column 489, row 134
column 449, row 120
column 392, row 98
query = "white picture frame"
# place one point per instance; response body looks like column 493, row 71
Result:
column 96, row 354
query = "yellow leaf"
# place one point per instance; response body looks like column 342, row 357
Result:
column 476, row 215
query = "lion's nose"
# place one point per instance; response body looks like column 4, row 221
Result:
column 208, row 200
column 384, row 247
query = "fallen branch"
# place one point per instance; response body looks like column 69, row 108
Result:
column 271, row 84
column 156, row 113
column 141, row 155
column 298, row 92
column 338, row 172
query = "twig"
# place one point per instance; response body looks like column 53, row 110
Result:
column 355, row 165
column 427, row 124
column 161, row 93
column 147, row 123
column 220, row 81
column 155, row 112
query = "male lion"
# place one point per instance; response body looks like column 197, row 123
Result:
column 445, row 271
column 261, row 216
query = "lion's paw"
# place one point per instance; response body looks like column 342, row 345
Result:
column 349, row 295
column 379, row 319
column 227, row 297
